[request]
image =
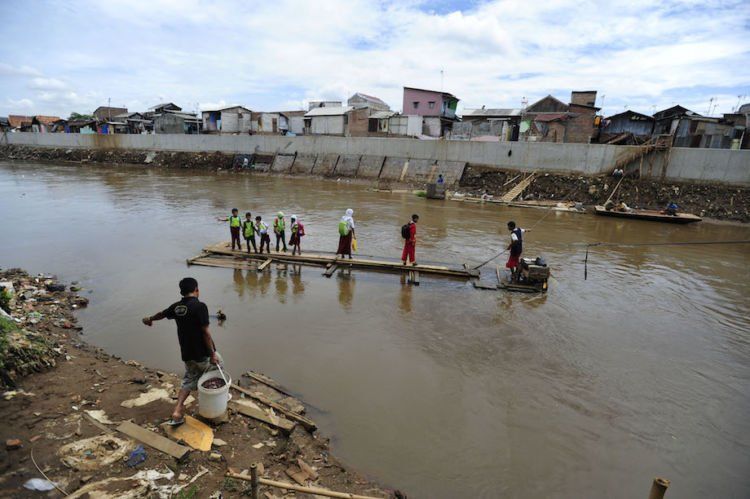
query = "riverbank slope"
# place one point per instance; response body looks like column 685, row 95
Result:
column 63, row 400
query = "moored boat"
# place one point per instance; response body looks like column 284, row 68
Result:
column 649, row 215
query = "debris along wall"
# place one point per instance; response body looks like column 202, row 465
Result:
column 588, row 159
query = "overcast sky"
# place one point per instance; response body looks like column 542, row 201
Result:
column 63, row 56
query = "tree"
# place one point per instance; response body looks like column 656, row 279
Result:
column 79, row 116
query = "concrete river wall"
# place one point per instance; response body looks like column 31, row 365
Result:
column 419, row 160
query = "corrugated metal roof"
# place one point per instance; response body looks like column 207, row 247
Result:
column 381, row 115
column 46, row 120
column 370, row 98
column 16, row 120
column 328, row 111
column 491, row 112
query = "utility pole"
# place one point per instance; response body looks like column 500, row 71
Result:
column 109, row 108
column 604, row 96
column 442, row 74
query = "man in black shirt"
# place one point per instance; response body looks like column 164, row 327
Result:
column 196, row 345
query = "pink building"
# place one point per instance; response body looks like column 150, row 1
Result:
column 437, row 108
column 429, row 103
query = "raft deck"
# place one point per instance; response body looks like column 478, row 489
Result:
column 222, row 255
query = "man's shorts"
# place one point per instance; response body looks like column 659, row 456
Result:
column 194, row 369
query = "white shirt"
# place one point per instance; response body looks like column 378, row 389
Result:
column 514, row 237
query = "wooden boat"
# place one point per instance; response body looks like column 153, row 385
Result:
column 649, row 215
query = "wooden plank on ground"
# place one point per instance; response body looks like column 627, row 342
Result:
column 307, row 423
column 154, row 440
column 480, row 285
column 268, row 382
column 276, row 422
column 265, row 264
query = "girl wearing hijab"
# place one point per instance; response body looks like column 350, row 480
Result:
column 298, row 230
column 346, row 233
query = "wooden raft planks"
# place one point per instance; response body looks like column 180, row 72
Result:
column 154, row 440
column 326, row 260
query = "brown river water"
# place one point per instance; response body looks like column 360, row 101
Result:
column 440, row 390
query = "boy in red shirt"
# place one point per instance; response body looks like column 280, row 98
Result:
column 410, row 243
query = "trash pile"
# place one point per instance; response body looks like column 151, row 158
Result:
column 29, row 308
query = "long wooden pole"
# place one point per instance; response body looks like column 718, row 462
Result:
column 298, row 488
column 658, row 488
column 615, row 189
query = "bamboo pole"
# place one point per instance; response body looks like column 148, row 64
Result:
column 297, row 488
column 658, row 488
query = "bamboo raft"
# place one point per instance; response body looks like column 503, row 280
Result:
column 222, row 255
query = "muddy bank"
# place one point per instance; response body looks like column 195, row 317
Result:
column 717, row 201
column 63, row 401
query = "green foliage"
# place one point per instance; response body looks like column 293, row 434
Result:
column 421, row 194
column 6, row 326
column 79, row 116
column 5, row 297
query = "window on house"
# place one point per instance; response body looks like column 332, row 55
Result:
column 415, row 104
column 432, row 104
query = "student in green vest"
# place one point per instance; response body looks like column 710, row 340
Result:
column 279, row 228
column 248, row 230
column 235, row 223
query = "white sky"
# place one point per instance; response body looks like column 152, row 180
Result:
column 64, row 56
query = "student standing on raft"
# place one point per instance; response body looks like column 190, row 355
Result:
column 261, row 228
column 346, row 234
column 409, row 233
column 298, row 230
column 234, row 227
column 515, row 247
column 196, row 345
column 279, row 228
column 248, row 230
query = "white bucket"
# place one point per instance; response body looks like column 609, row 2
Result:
column 212, row 402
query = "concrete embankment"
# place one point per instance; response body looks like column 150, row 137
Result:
column 424, row 156
column 710, row 199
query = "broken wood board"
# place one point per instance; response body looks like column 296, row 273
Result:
column 154, row 440
column 265, row 264
column 196, row 434
column 330, row 270
column 307, row 423
column 275, row 421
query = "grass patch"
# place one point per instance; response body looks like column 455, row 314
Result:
column 421, row 194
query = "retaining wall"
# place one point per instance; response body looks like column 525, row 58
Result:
column 720, row 165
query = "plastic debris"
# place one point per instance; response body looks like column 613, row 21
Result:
column 39, row 484
column 137, row 456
